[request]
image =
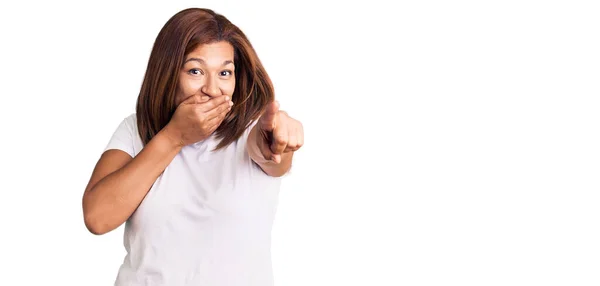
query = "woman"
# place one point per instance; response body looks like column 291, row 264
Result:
column 195, row 172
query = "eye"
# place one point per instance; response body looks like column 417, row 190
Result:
column 226, row 73
column 195, row 72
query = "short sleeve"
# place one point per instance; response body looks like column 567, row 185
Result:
column 248, row 129
column 122, row 138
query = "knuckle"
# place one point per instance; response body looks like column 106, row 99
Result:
column 280, row 139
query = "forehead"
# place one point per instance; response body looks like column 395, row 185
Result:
column 213, row 52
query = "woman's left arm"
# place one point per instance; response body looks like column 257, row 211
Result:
column 273, row 141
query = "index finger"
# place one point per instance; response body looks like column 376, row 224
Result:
column 194, row 99
column 213, row 103
column 280, row 139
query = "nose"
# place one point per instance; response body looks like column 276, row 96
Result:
column 211, row 87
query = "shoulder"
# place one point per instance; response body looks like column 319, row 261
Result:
column 131, row 120
column 126, row 137
column 129, row 124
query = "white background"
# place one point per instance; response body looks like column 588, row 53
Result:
column 447, row 142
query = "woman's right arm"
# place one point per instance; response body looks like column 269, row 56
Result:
column 119, row 183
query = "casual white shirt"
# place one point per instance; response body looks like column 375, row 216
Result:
column 206, row 221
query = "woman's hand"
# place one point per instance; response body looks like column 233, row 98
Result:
column 197, row 117
column 278, row 134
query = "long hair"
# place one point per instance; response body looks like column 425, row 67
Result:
column 182, row 33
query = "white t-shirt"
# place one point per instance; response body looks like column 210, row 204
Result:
column 207, row 219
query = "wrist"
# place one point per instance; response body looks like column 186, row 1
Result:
column 174, row 137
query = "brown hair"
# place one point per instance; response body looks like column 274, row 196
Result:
column 182, row 33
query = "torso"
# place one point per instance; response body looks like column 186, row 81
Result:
column 207, row 220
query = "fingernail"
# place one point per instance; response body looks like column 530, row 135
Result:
column 226, row 97
column 231, row 103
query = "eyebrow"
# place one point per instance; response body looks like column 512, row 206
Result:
column 203, row 62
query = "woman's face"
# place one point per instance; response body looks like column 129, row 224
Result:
column 207, row 70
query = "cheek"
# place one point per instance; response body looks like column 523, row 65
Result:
column 229, row 87
column 190, row 86
column 186, row 88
